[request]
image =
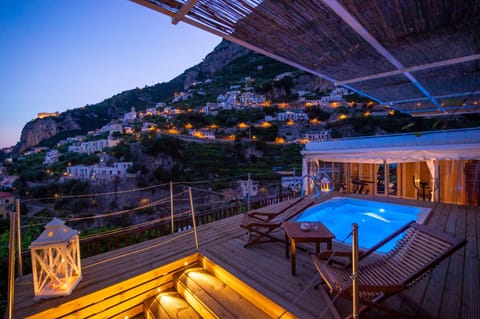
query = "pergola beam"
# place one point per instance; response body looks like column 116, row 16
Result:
column 183, row 11
column 446, row 96
column 351, row 21
column 412, row 69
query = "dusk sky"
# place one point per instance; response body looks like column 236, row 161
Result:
column 59, row 54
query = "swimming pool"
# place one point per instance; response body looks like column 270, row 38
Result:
column 376, row 220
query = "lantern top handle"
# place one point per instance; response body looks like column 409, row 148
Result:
column 55, row 233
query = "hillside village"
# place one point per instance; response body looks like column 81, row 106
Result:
column 295, row 126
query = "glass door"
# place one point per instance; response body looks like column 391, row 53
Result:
column 392, row 179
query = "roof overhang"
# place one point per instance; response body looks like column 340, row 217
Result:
column 398, row 148
column 417, row 57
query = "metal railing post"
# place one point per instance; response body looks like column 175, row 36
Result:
column 171, row 208
column 193, row 218
column 355, row 292
column 248, row 192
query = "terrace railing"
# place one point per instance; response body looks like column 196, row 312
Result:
column 92, row 245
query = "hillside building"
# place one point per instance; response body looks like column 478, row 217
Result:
column 51, row 157
column 93, row 172
column 7, row 204
column 294, row 116
column 321, row 135
column 130, row 116
column 43, row 115
column 91, row 147
column 110, row 128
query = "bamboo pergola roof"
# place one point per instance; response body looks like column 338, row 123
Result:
column 417, row 57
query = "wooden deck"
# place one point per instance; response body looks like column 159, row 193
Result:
column 452, row 291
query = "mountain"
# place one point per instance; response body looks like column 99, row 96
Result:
column 226, row 64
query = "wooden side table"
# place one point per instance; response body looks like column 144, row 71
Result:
column 317, row 233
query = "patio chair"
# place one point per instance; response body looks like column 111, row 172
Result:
column 259, row 230
column 380, row 276
column 268, row 212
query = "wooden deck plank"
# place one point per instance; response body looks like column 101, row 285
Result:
column 452, row 293
column 433, row 293
column 471, row 291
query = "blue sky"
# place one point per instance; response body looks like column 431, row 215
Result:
column 63, row 54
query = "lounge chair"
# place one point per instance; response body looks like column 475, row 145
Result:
column 380, row 276
column 268, row 212
column 260, row 230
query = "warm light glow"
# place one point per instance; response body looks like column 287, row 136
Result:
column 173, row 131
column 243, row 125
column 325, row 185
column 265, row 104
column 144, row 201
column 282, row 105
column 342, row 116
column 185, row 263
column 188, row 126
column 367, row 114
column 314, row 121
column 290, row 122
column 280, row 140
column 198, row 134
column 304, row 140
column 213, row 126
column 391, row 112
column 265, row 124
column 231, row 137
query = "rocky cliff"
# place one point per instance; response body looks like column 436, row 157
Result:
column 223, row 54
column 39, row 130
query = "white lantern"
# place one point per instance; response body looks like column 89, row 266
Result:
column 56, row 265
column 325, row 184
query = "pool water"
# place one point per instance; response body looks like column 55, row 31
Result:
column 376, row 220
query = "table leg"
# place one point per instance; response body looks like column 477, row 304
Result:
column 294, row 251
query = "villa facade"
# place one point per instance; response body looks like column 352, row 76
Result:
column 440, row 166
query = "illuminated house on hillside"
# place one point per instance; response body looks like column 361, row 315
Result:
column 43, row 115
